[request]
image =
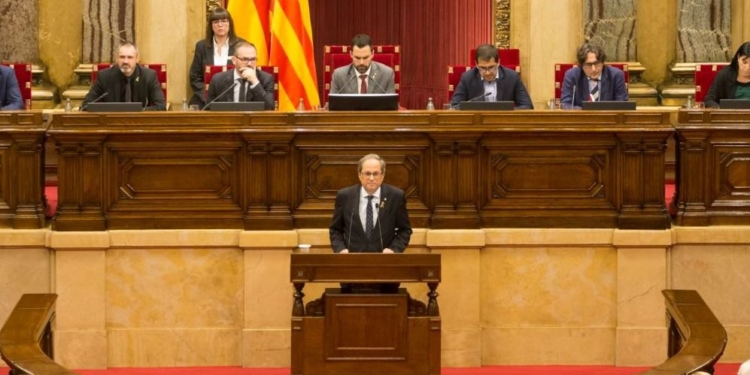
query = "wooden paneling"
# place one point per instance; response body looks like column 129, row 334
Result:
column 282, row 170
column 22, row 202
column 713, row 176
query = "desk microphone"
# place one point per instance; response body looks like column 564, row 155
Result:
column 345, row 84
column 380, row 228
column 236, row 81
column 479, row 97
column 94, row 101
column 349, row 239
column 372, row 78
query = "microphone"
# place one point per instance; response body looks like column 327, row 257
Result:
column 236, row 81
column 575, row 85
column 479, row 97
column 345, row 84
column 94, row 101
column 372, row 78
column 380, row 228
column 349, row 239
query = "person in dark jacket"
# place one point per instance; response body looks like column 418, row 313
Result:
column 732, row 81
column 592, row 80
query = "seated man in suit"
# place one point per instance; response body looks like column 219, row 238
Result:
column 591, row 80
column 370, row 217
column 246, row 83
column 372, row 77
column 10, row 93
column 126, row 81
column 489, row 81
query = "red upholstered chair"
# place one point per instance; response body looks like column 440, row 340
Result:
column 160, row 69
column 23, row 76
column 454, row 77
column 337, row 56
column 560, row 70
column 704, row 77
column 210, row 70
column 509, row 58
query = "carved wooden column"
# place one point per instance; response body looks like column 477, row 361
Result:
column 80, row 189
column 29, row 156
column 269, row 182
column 643, row 191
column 692, row 149
column 455, row 191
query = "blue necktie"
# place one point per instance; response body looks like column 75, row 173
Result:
column 369, row 220
column 595, row 92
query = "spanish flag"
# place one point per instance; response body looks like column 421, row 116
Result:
column 292, row 52
column 252, row 22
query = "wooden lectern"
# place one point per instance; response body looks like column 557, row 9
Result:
column 365, row 333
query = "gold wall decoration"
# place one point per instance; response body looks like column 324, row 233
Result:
column 501, row 23
column 213, row 4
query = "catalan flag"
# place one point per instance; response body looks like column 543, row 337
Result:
column 252, row 22
column 292, row 52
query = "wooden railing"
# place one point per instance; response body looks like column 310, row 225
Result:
column 26, row 338
column 696, row 337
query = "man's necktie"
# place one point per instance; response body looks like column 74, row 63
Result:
column 595, row 92
column 128, row 91
column 243, row 91
column 363, row 85
column 369, row 225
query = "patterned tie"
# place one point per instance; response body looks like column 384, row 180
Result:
column 595, row 92
column 243, row 91
column 363, row 85
column 369, row 220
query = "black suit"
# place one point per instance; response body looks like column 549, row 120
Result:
column 204, row 55
column 392, row 230
column 145, row 88
column 509, row 88
column 262, row 92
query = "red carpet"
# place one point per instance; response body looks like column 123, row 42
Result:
column 722, row 369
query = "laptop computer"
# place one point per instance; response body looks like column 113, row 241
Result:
column 114, row 107
column 362, row 102
column 486, row 106
column 608, row 106
column 734, row 104
column 238, row 106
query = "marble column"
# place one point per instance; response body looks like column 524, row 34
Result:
column 106, row 24
column 18, row 31
column 611, row 24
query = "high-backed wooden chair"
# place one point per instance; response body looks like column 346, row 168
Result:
column 509, row 58
column 561, row 68
column 210, row 70
column 160, row 69
column 704, row 77
column 23, row 76
column 454, row 77
column 337, row 56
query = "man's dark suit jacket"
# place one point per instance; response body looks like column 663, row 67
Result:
column 393, row 224
column 145, row 88
column 10, row 93
column 611, row 87
column 262, row 92
column 204, row 55
column 509, row 88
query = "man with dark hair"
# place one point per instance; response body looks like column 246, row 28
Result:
column 254, row 85
column 591, row 80
column 363, row 76
column 127, row 81
column 10, row 93
column 491, row 82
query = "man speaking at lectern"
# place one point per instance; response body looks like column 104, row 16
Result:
column 370, row 217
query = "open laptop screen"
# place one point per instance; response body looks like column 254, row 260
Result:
column 608, row 106
column 362, row 102
column 486, row 106
column 238, row 106
column 734, row 104
column 115, row 107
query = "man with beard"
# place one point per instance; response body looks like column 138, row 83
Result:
column 362, row 76
column 126, row 81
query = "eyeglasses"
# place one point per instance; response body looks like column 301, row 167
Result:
column 372, row 174
column 247, row 60
column 590, row 65
column 218, row 22
column 487, row 69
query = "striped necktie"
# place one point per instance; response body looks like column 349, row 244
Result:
column 595, row 91
column 369, row 220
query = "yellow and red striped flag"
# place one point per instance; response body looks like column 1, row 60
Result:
column 292, row 52
column 252, row 22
